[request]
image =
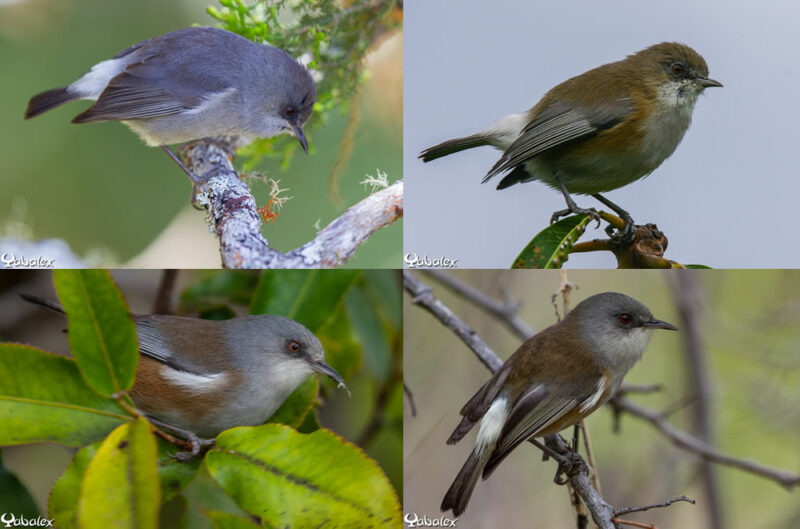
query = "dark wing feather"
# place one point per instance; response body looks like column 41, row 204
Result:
column 557, row 125
column 476, row 407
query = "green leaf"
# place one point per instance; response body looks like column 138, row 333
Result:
column 309, row 297
column 102, row 336
column 290, row 479
column 697, row 267
column 63, row 500
column 62, row 505
column 385, row 285
column 342, row 351
column 47, row 400
column 120, row 488
column 295, row 408
column 219, row 290
column 14, row 497
column 551, row 247
column 226, row 520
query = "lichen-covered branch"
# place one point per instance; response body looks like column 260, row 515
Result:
column 235, row 220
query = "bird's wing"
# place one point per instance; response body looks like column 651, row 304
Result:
column 557, row 125
column 153, row 86
column 476, row 407
column 532, row 413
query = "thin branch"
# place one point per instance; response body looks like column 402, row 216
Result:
column 410, row 397
column 166, row 285
column 628, row 510
column 505, row 312
column 235, row 220
column 687, row 442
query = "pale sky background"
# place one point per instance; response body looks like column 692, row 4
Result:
column 726, row 198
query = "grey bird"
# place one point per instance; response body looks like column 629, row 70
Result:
column 190, row 84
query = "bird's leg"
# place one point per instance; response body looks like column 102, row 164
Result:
column 625, row 236
column 571, row 206
column 575, row 437
column 199, row 446
column 197, row 181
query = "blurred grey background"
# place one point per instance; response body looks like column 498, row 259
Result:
column 109, row 196
column 727, row 193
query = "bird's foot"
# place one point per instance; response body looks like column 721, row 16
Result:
column 570, row 465
column 591, row 212
column 198, row 446
column 624, row 236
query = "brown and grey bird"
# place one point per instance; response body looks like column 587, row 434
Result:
column 554, row 380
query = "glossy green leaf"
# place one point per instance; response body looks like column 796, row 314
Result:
column 225, row 520
column 290, row 479
column 45, row 399
column 120, row 488
column 295, row 408
column 102, row 336
column 309, row 297
column 14, row 497
column 63, row 500
column 697, row 267
column 62, row 505
column 551, row 247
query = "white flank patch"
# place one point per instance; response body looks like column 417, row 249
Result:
column 210, row 101
column 492, row 424
column 595, row 398
column 92, row 84
column 193, row 383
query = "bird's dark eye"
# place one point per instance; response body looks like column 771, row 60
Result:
column 294, row 346
column 289, row 111
column 625, row 318
column 677, row 68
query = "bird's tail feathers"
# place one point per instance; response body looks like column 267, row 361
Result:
column 46, row 303
column 47, row 100
column 460, row 491
column 452, row 146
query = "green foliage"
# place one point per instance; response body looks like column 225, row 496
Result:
column 14, row 497
column 101, row 333
column 120, row 487
column 334, row 39
column 265, row 467
column 224, row 520
column 551, row 246
column 127, row 479
column 47, row 400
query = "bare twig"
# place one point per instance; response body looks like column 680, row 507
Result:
column 628, row 510
column 505, row 312
column 422, row 295
column 692, row 444
column 235, row 220
column 410, row 397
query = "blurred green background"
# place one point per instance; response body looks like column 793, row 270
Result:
column 751, row 329
column 98, row 186
column 362, row 337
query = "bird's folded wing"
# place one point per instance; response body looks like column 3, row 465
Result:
column 557, row 125
column 476, row 407
column 533, row 413
column 153, row 343
column 152, row 87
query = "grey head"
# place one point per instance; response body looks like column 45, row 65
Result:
column 616, row 328
column 282, row 347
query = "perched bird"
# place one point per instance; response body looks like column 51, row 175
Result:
column 193, row 83
column 598, row 131
column 554, row 380
column 205, row 376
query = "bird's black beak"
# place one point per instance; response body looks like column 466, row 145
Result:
column 658, row 324
column 301, row 136
column 322, row 367
column 705, row 82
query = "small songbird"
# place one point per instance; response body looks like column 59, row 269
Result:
column 205, row 376
column 598, row 131
column 553, row 381
column 193, row 83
